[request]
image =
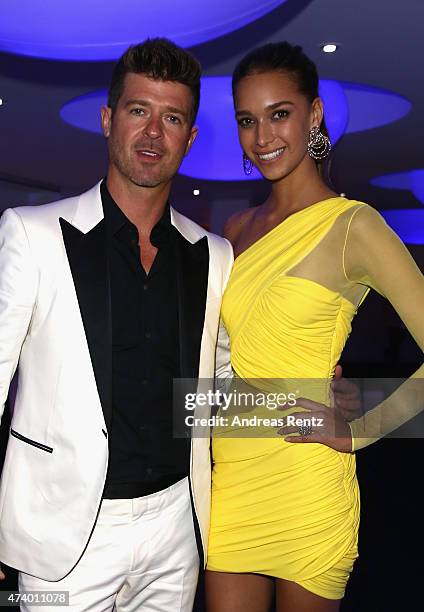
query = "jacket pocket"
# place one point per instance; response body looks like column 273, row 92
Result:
column 43, row 447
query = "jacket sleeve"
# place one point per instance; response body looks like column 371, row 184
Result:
column 223, row 370
column 18, row 288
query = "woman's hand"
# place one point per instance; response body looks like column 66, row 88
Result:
column 320, row 424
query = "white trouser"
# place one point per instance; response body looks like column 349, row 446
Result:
column 142, row 555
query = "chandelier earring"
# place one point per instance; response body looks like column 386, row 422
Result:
column 319, row 146
column 247, row 165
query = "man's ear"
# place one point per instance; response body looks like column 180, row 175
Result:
column 193, row 133
column 106, row 120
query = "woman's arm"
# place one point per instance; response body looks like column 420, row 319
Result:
column 375, row 256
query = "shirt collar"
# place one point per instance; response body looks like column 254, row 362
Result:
column 115, row 219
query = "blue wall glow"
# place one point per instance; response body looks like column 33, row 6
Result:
column 412, row 180
column 99, row 30
column 408, row 224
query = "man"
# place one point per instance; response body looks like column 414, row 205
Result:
column 104, row 299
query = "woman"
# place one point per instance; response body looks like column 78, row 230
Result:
column 285, row 515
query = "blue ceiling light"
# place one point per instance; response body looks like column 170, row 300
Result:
column 399, row 180
column 336, row 108
column 216, row 154
column 411, row 180
column 99, row 30
column 371, row 107
column 84, row 112
column 417, row 184
column 408, row 224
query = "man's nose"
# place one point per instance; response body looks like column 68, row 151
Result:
column 154, row 128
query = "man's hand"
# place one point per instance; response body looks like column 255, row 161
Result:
column 345, row 397
column 2, row 576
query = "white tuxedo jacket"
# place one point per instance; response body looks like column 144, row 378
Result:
column 55, row 325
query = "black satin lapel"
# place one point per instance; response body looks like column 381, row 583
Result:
column 192, row 261
column 87, row 256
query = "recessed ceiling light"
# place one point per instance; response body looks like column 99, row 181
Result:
column 1, row 102
column 196, row 192
column 330, row 47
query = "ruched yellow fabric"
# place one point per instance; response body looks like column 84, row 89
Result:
column 286, row 510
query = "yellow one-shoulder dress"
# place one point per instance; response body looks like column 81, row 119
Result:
column 288, row 510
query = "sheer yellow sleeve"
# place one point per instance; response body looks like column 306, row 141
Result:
column 375, row 256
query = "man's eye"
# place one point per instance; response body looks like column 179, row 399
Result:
column 174, row 119
column 137, row 112
column 245, row 122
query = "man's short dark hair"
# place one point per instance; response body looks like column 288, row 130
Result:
column 160, row 59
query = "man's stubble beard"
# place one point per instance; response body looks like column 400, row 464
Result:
column 139, row 177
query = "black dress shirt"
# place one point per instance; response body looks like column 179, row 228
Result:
column 144, row 456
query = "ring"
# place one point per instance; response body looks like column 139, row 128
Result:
column 305, row 430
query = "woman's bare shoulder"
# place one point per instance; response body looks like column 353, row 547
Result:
column 235, row 224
